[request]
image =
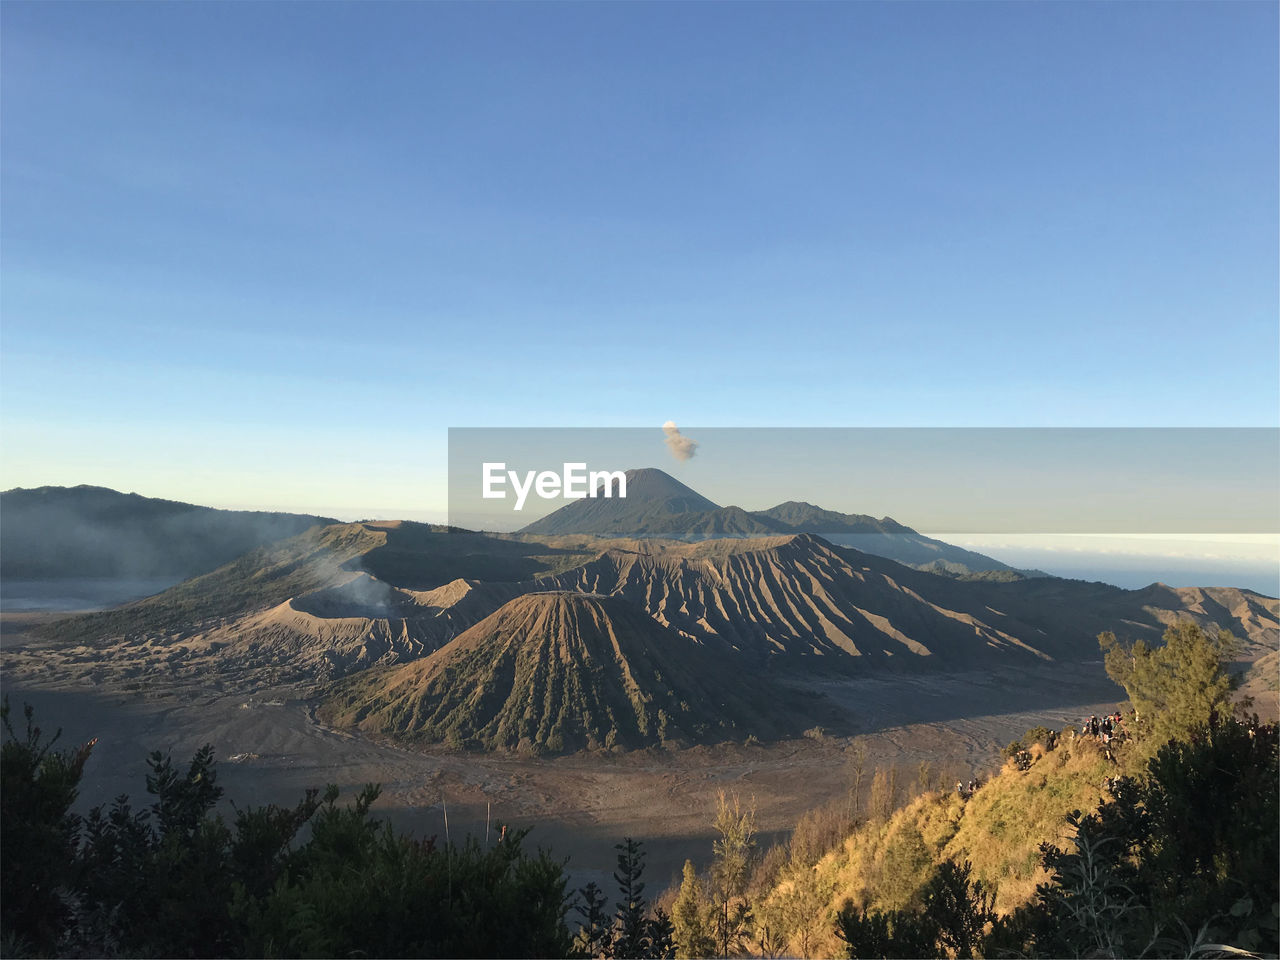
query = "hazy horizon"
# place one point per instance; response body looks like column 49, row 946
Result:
column 1249, row 561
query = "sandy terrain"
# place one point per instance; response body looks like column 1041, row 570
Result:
column 580, row 805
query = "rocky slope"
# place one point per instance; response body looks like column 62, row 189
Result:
column 562, row 671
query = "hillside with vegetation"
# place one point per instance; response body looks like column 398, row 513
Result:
column 887, row 862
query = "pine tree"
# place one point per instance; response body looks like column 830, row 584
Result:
column 688, row 916
column 1175, row 688
column 734, row 853
column 595, row 934
column 662, row 935
column 631, row 939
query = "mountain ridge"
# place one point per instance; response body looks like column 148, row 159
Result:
column 90, row 531
column 661, row 506
column 330, row 603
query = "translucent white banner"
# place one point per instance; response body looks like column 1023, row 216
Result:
column 944, row 481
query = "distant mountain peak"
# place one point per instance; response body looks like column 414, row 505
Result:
column 653, row 496
column 802, row 516
column 659, row 505
column 649, row 482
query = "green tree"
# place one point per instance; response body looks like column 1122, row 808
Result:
column 1182, row 860
column 689, row 917
column 631, row 937
column 1211, row 806
column 174, row 879
column 38, row 786
column 662, row 935
column 160, row 880
column 889, row 934
column 631, row 932
column 958, row 907
column 730, row 870
column 358, row 886
column 1177, row 687
column 595, row 931
column 955, row 912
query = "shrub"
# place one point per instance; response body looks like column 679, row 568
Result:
column 889, row 934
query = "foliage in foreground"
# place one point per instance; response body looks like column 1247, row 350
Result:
column 175, row 879
column 1178, row 859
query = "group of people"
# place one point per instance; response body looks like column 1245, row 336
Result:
column 965, row 791
column 1103, row 728
column 1252, row 725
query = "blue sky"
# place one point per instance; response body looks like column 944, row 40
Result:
column 265, row 254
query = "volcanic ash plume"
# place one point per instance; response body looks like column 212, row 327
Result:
column 681, row 447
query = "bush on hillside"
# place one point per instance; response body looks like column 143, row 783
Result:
column 1182, row 857
column 955, row 909
column 1176, row 688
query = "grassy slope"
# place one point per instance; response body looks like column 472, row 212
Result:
column 883, row 864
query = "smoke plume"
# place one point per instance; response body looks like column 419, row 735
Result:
column 681, row 447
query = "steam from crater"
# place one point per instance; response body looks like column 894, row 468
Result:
column 681, row 447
